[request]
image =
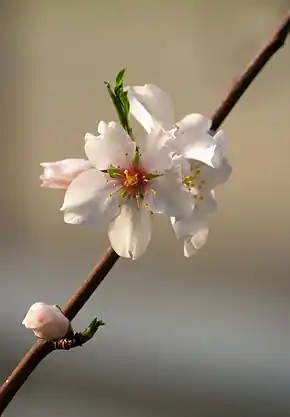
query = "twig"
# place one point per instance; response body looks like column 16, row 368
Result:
column 41, row 349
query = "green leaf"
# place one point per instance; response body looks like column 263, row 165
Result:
column 89, row 332
column 120, row 78
column 120, row 100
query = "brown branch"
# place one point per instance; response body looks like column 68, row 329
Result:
column 250, row 73
column 41, row 349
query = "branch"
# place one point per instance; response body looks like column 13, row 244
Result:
column 41, row 349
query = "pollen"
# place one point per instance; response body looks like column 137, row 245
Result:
column 131, row 178
column 133, row 182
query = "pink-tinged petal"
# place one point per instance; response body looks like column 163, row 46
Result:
column 149, row 105
column 60, row 174
column 130, row 231
column 113, row 147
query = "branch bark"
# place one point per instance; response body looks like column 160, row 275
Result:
column 41, row 349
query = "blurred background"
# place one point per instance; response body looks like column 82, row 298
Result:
column 207, row 336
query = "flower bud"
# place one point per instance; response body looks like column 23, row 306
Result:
column 46, row 321
column 61, row 173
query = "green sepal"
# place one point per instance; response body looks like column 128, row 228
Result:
column 114, row 172
column 152, row 176
column 136, row 160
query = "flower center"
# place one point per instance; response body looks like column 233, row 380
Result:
column 134, row 180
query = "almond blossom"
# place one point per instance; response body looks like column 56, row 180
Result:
column 124, row 183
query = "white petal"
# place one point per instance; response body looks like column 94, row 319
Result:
column 216, row 176
column 194, row 123
column 90, row 136
column 139, row 112
column 179, row 162
column 194, row 142
column 155, row 102
column 90, row 199
column 130, row 232
column 221, row 140
column 196, row 242
column 188, row 226
column 167, row 194
column 102, row 127
column 155, row 155
column 114, row 147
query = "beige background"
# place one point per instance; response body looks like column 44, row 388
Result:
column 204, row 337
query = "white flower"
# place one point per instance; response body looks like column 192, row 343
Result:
column 201, row 182
column 127, row 183
column 153, row 108
column 60, row 174
column 46, row 321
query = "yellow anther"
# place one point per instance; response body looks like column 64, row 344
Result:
column 195, row 195
column 202, row 181
column 201, row 197
column 130, row 180
column 199, row 187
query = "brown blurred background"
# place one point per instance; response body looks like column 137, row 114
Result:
column 202, row 337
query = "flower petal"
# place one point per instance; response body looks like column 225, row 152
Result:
column 150, row 105
column 188, row 226
column 196, row 242
column 113, row 147
column 155, row 155
column 90, row 199
column 59, row 174
column 193, row 141
column 130, row 231
column 179, row 162
column 216, row 176
column 167, row 194
column 194, row 123
column 139, row 112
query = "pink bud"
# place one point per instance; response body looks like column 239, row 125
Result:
column 46, row 321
